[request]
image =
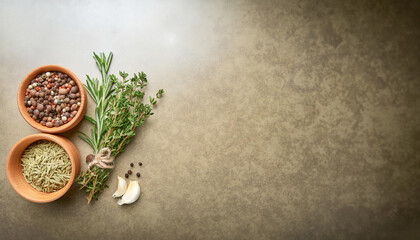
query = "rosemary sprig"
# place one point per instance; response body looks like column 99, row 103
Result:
column 100, row 94
column 119, row 110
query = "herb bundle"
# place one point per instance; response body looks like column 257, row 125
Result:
column 119, row 110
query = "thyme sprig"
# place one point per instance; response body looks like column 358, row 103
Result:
column 127, row 111
column 119, row 110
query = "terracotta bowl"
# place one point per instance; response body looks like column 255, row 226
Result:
column 14, row 169
column 21, row 97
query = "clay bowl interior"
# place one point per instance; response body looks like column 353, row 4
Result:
column 14, row 169
column 22, row 108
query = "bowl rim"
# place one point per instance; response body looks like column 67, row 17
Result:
column 18, row 149
column 22, row 108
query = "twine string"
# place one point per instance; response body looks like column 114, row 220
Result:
column 102, row 159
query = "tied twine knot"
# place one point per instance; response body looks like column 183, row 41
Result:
column 102, row 159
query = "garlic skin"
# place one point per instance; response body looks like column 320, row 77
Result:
column 122, row 186
column 131, row 194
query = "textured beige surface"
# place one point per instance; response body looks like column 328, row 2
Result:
column 282, row 120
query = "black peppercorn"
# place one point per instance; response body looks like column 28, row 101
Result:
column 138, row 174
column 129, row 172
column 132, row 164
column 126, row 175
column 140, row 164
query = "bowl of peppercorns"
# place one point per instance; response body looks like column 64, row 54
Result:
column 52, row 99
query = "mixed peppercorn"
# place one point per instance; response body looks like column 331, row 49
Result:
column 52, row 99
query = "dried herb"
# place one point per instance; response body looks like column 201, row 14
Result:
column 119, row 111
column 46, row 166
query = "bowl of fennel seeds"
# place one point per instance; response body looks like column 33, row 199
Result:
column 42, row 167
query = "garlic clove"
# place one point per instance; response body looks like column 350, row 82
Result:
column 122, row 186
column 131, row 194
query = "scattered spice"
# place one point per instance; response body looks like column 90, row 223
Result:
column 138, row 174
column 131, row 164
column 140, row 164
column 126, row 175
column 129, row 172
column 46, row 166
